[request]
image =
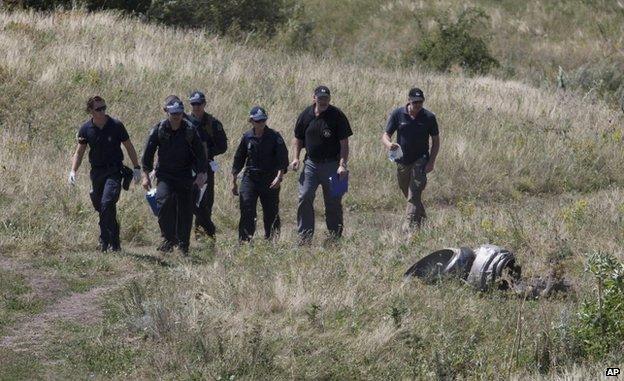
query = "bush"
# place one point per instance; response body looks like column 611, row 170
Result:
column 601, row 327
column 138, row 6
column 223, row 17
column 457, row 43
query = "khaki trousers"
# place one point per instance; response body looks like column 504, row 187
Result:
column 412, row 180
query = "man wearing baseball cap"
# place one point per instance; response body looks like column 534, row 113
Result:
column 211, row 132
column 323, row 130
column 180, row 150
column 415, row 127
column 264, row 156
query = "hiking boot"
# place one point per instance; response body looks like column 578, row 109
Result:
column 103, row 246
column 184, row 249
column 115, row 248
column 166, row 246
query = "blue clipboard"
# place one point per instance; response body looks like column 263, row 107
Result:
column 151, row 200
column 337, row 186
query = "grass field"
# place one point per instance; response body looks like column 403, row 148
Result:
column 540, row 173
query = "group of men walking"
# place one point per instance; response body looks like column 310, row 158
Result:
column 180, row 153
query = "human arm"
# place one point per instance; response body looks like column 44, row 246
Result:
column 282, row 159
column 220, row 138
column 76, row 161
column 435, row 148
column 240, row 157
column 147, row 160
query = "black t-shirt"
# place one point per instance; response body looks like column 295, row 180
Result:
column 104, row 143
column 412, row 134
column 321, row 135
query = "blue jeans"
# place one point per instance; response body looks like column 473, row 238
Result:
column 313, row 175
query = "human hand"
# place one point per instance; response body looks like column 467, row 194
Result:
column 72, row 177
column 234, row 189
column 394, row 146
column 200, row 179
column 295, row 165
column 276, row 182
column 136, row 174
column 147, row 184
column 429, row 166
column 342, row 171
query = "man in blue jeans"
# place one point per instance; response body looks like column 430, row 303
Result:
column 323, row 130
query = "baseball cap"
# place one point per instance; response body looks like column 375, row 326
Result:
column 322, row 91
column 257, row 113
column 197, row 97
column 174, row 107
column 416, row 95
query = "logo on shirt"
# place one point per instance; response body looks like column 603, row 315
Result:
column 110, row 139
column 327, row 133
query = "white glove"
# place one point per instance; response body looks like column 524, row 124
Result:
column 136, row 175
column 72, row 177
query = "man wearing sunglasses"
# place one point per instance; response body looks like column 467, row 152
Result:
column 211, row 131
column 104, row 135
column 180, row 151
column 415, row 127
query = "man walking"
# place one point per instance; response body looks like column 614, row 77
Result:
column 104, row 135
column 323, row 130
column 211, row 131
column 179, row 152
column 415, row 126
column 264, row 155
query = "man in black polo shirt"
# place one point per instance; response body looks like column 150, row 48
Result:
column 415, row 126
column 180, row 150
column 104, row 135
column 323, row 130
column 211, row 131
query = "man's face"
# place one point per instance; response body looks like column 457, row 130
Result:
column 98, row 110
column 198, row 107
column 175, row 117
column 416, row 106
column 322, row 101
column 258, row 123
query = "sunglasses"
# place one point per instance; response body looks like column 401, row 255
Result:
column 175, row 113
column 100, row 109
column 196, row 104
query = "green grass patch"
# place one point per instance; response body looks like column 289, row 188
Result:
column 18, row 366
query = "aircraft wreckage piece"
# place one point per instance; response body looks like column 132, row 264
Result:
column 488, row 267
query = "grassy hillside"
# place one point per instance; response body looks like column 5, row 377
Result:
column 540, row 173
column 531, row 40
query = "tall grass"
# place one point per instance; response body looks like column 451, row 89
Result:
column 537, row 172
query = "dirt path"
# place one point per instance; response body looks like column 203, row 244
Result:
column 29, row 334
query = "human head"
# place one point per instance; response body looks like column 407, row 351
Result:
column 197, row 99
column 174, row 108
column 258, row 116
column 416, row 98
column 322, row 96
column 96, row 106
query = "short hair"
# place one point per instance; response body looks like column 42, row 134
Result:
column 91, row 101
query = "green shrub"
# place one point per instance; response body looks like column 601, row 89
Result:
column 223, row 17
column 601, row 327
column 139, row 6
column 457, row 43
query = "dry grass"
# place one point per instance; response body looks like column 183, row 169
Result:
column 539, row 173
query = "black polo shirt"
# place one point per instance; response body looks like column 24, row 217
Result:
column 104, row 143
column 412, row 133
column 321, row 135
column 267, row 153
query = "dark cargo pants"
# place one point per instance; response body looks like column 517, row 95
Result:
column 203, row 212
column 313, row 175
column 175, row 218
column 255, row 185
column 412, row 180
column 106, row 187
